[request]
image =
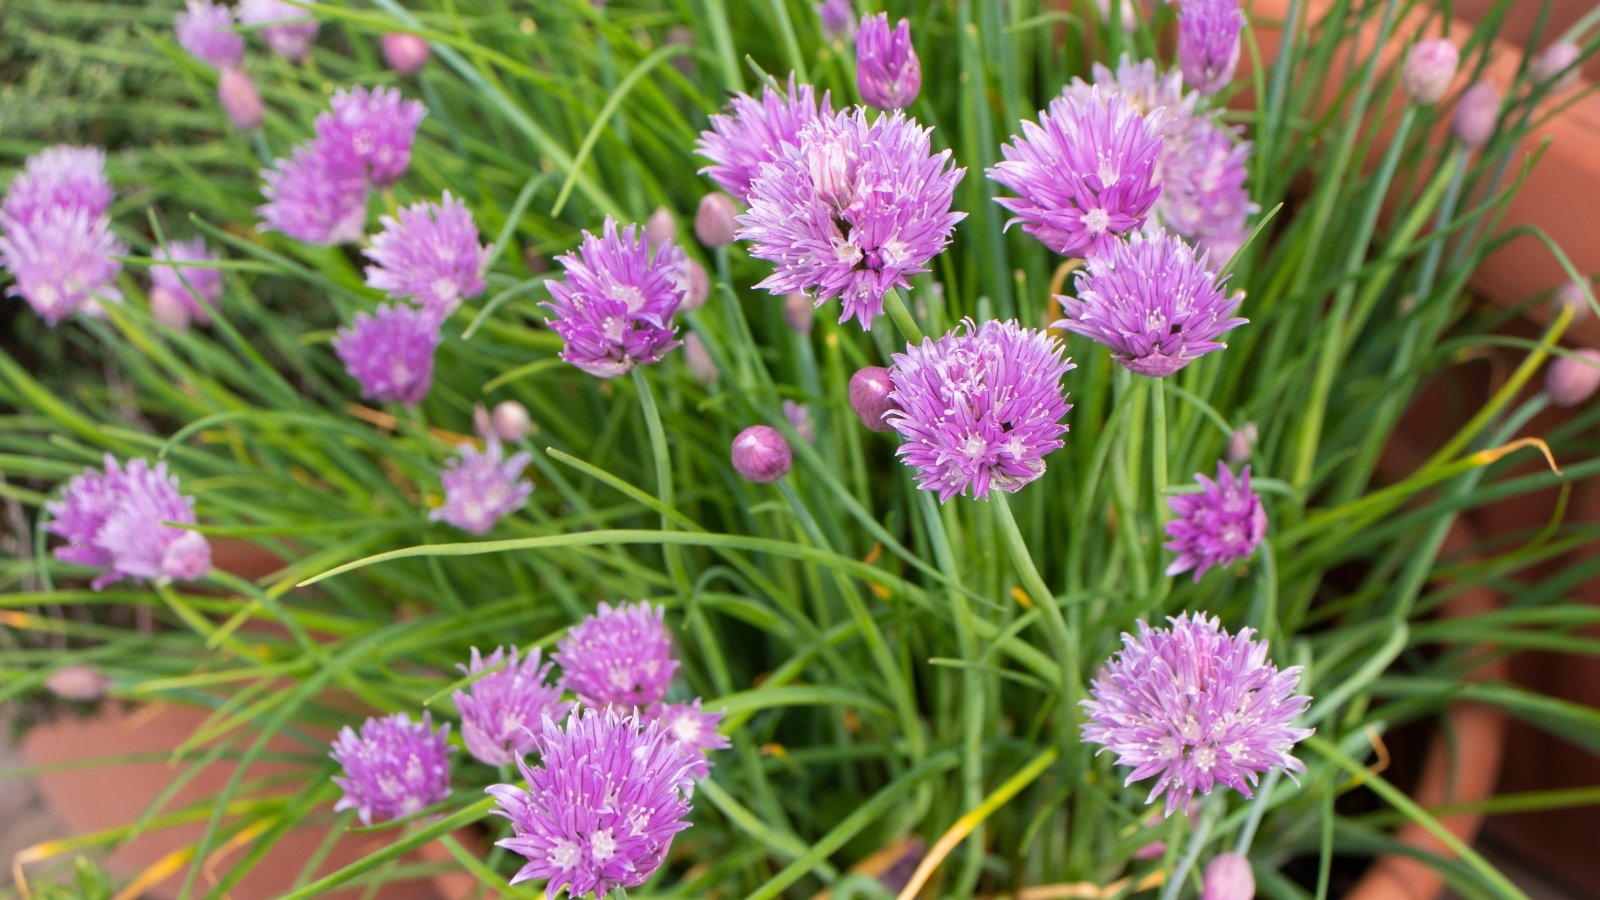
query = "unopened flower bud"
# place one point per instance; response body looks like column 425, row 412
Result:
column 888, row 73
column 869, row 396
column 481, row 425
column 1228, row 877
column 405, row 53
column 698, row 359
column 1570, row 296
column 77, row 683
column 1555, row 66
column 169, row 309
column 799, row 313
column 510, row 421
column 697, row 286
column 761, row 454
column 1570, row 380
column 1477, row 111
column 799, row 415
column 660, row 227
column 837, row 17
column 1429, row 68
column 1242, row 442
column 714, row 221
column 240, row 100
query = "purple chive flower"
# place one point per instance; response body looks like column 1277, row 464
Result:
column 1477, row 112
column 1429, row 68
column 390, row 353
column 59, row 177
column 601, row 808
column 1153, row 302
column 194, row 290
column 395, row 768
column 1197, row 707
column 112, row 520
column 1570, row 380
column 761, row 455
column 502, row 711
column 853, row 209
column 614, row 309
column 620, row 655
column 756, row 132
column 1555, row 66
column 62, row 261
column 694, row 730
column 481, row 487
column 374, row 127
column 837, row 16
column 431, row 255
column 206, row 30
column 1216, row 526
column 317, row 195
column 1208, row 42
column 288, row 29
column 240, row 100
column 978, row 411
column 888, row 73
column 1085, row 174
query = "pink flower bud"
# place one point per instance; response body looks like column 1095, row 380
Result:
column 698, row 359
column 799, row 415
column 169, row 309
column 1228, row 877
column 761, row 454
column 1429, row 69
column 510, row 421
column 799, row 313
column 240, row 100
column 1570, row 380
column 1570, row 296
column 481, row 426
column 1477, row 111
column 714, row 221
column 661, row 227
column 869, row 396
column 1555, row 66
column 187, row 558
column 1243, row 442
column 888, row 73
column 698, row 286
column 77, row 683
column 405, row 53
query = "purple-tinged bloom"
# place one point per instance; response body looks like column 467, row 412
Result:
column 837, row 16
column 614, row 309
column 1208, row 42
column 755, row 133
column 1229, row 877
column 1477, row 112
column 1197, row 707
column 62, row 261
column 395, row 768
column 1570, row 380
column 978, row 411
column 502, row 711
column 205, row 29
column 431, row 255
column 662, row 226
column 510, row 421
column 870, row 387
column 601, row 808
column 194, row 290
column 1153, row 302
column 112, row 520
column 888, row 73
column 715, row 220
column 405, row 53
column 1085, row 174
column 481, row 487
column 1556, row 67
column 1218, row 525
column 317, row 195
column 375, row 128
column 852, row 210
column 621, row 655
column 56, row 178
column 761, row 455
column 288, row 29
column 799, row 415
column 390, row 352
column 694, row 730
column 1429, row 68
column 240, row 100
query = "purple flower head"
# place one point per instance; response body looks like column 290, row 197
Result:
column 194, row 289
column 853, row 209
column 205, row 29
column 62, row 261
column 405, row 53
column 501, row 712
column 614, row 309
column 288, row 29
column 58, row 178
column 694, row 730
column 375, row 128
column 1477, row 112
column 1198, row 707
column 1219, row 525
column 979, row 410
column 601, row 808
column 870, row 387
column 1570, row 380
column 240, row 100
column 761, row 455
column 481, row 487
column 620, row 655
column 1153, row 302
column 888, row 73
column 112, row 520
column 755, row 132
column 317, row 195
column 1429, row 68
column 431, row 255
column 837, row 16
column 1084, row 174
column 395, row 768
column 1555, row 66
column 1208, row 42
column 1145, row 88
column 390, row 352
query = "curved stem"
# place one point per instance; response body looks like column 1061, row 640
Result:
column 663, row 465
column 1041, row 595
column 895, row 306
